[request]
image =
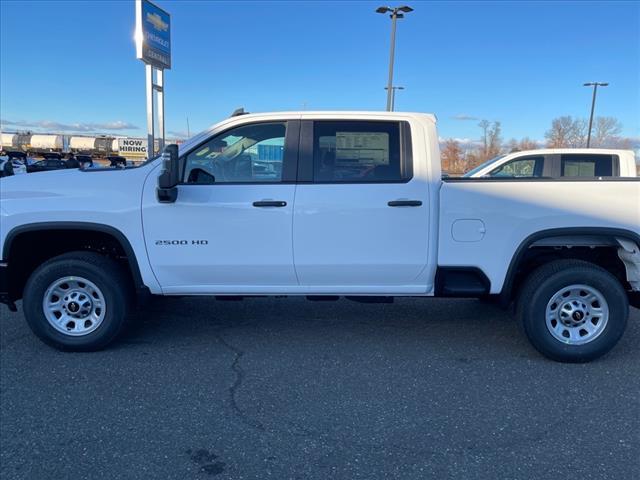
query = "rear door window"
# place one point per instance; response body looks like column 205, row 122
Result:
column 359, row 151
column 588, row 165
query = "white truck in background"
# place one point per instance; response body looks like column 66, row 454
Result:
column 320, row 204
column 560, row 163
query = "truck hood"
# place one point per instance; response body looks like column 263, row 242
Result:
column 71, row 188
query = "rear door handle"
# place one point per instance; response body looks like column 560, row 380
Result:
column 270, row 203
column 404, row 203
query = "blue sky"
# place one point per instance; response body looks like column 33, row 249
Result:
column 523, row 63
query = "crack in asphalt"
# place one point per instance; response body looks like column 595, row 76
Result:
column 240, row 375
column 311, row 433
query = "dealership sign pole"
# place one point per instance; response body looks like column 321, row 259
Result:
column 153, row 47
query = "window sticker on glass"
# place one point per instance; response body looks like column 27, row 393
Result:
column 579, row 169
column 362, row 147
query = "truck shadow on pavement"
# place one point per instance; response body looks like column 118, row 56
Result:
column 440, row 324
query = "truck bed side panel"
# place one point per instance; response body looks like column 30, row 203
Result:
column 490, row 219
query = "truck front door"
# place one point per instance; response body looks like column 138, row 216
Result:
column 230, row 229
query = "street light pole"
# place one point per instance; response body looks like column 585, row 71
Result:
column 595, row 86
column 394, row 17
column 393, row 97
column 392, row 50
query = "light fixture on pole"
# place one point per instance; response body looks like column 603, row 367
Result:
column 396, row 12
column 393, row 96
column 595, row 86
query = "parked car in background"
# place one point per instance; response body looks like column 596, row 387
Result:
column 117, row 161
column 558, row 163
column 17, row 162
column 30, row 160
column 46, row 165
column 6, row 167
column 85, row 161
column 52, row 161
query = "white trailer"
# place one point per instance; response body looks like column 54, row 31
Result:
column 82, row 143
column 46, row 142
column 6, row 140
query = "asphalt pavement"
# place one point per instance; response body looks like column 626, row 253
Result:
column 285, row 388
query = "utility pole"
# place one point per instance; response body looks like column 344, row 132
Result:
column 393, row 96
column 595, row 86
column 394, row 17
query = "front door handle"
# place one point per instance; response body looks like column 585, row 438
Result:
column 404, row 203
column 270, row 203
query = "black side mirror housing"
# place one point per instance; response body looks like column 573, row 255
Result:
column 167, row 190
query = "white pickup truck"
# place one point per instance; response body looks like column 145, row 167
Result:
column 560, row 162
column 321, row 204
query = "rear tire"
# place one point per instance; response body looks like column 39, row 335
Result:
column 572, row 311
column 79, row 301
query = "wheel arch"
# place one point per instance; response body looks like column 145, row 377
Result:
column 558, row 237
column 91, row 228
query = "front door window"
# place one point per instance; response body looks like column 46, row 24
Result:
column 247, row 154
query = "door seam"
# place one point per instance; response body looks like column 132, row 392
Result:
column 293, row 216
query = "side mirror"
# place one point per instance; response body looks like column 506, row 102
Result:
column 167, row 190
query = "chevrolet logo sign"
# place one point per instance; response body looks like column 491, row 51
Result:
column 157, row 22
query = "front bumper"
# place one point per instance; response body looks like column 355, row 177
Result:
column 4, row 287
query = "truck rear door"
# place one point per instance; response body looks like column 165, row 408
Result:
column 587, row 165
column 361, row 215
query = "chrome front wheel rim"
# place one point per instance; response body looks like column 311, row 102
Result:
column 577, row 314
column 74, row 306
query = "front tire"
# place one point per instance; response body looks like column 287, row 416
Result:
column 573, row 311
column 79, row 301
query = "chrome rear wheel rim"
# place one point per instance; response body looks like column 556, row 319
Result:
column 577, row 314
column 74, row 306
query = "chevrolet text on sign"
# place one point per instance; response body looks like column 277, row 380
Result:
column 153, row 34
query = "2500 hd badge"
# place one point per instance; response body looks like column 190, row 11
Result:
column 182, row 242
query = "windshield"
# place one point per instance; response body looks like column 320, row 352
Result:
column 473, row 171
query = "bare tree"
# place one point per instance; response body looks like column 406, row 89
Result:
column 473, row 158
column 567, row 132
column 523, row 144
column 452, row 157
column 606, row 131
column 484, row 125
column 623, row 143
column 494, row 140
column 491, row 139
